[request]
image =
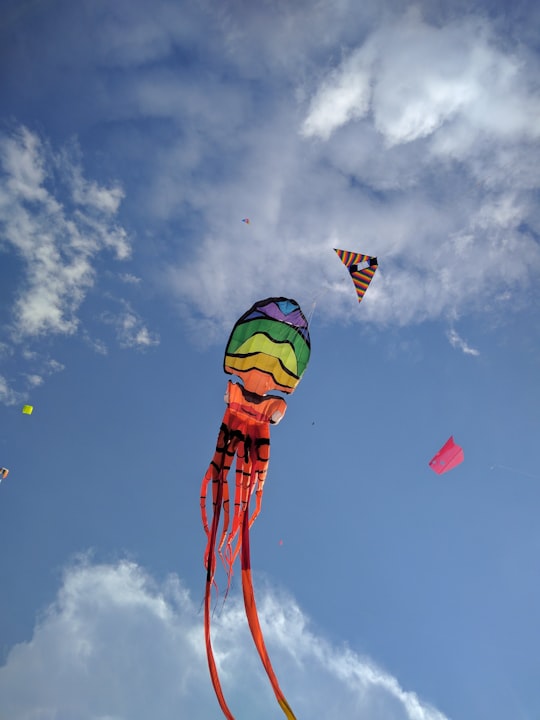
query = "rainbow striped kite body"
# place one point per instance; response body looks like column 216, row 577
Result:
column 269, row 346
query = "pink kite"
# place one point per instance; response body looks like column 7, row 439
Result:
column 447, row 458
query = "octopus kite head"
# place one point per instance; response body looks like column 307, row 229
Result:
column 269, row 346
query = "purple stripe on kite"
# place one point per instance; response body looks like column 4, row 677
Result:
column 272, row 310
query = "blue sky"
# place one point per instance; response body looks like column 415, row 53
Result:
column 134, row 137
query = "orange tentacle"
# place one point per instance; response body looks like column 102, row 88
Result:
column 232, row 448
column 262, row 450
column 207, row 602
column 213, row 474
column 253, row 621
column 244, row 432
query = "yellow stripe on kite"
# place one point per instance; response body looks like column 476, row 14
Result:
column 263, row 363
column 260, row 343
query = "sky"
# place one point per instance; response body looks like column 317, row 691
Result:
column 134, row 139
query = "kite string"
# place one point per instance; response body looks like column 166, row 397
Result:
column 515, row 470
column 314, row 303
column 329, row 285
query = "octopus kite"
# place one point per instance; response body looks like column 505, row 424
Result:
column 268, row 349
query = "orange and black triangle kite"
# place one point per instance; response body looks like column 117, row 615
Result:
column 361, row 268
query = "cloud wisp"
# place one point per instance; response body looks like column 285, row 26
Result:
column 57, row 238
column 118, row 644
column 58, row 225
column 456, row 341
column 130, row 329
column 415, row 78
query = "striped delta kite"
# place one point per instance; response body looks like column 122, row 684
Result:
column 268, row 349
column 361, row 276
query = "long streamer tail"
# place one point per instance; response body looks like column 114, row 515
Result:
column 253, row 619
column 208, row 602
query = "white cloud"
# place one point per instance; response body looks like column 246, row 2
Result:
column 418, row 143
column 411, row 149
column 344, row 96
column 130, row 329
column 87, row 193
column 117, row 644
column 53, row 366
column 58, row 245
column 8, row 396
column 41, row 367
column 98, row 346
column 458, row 342
column 415, row 77
column 34, row 380
column 59, row 224
column 130, row 279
